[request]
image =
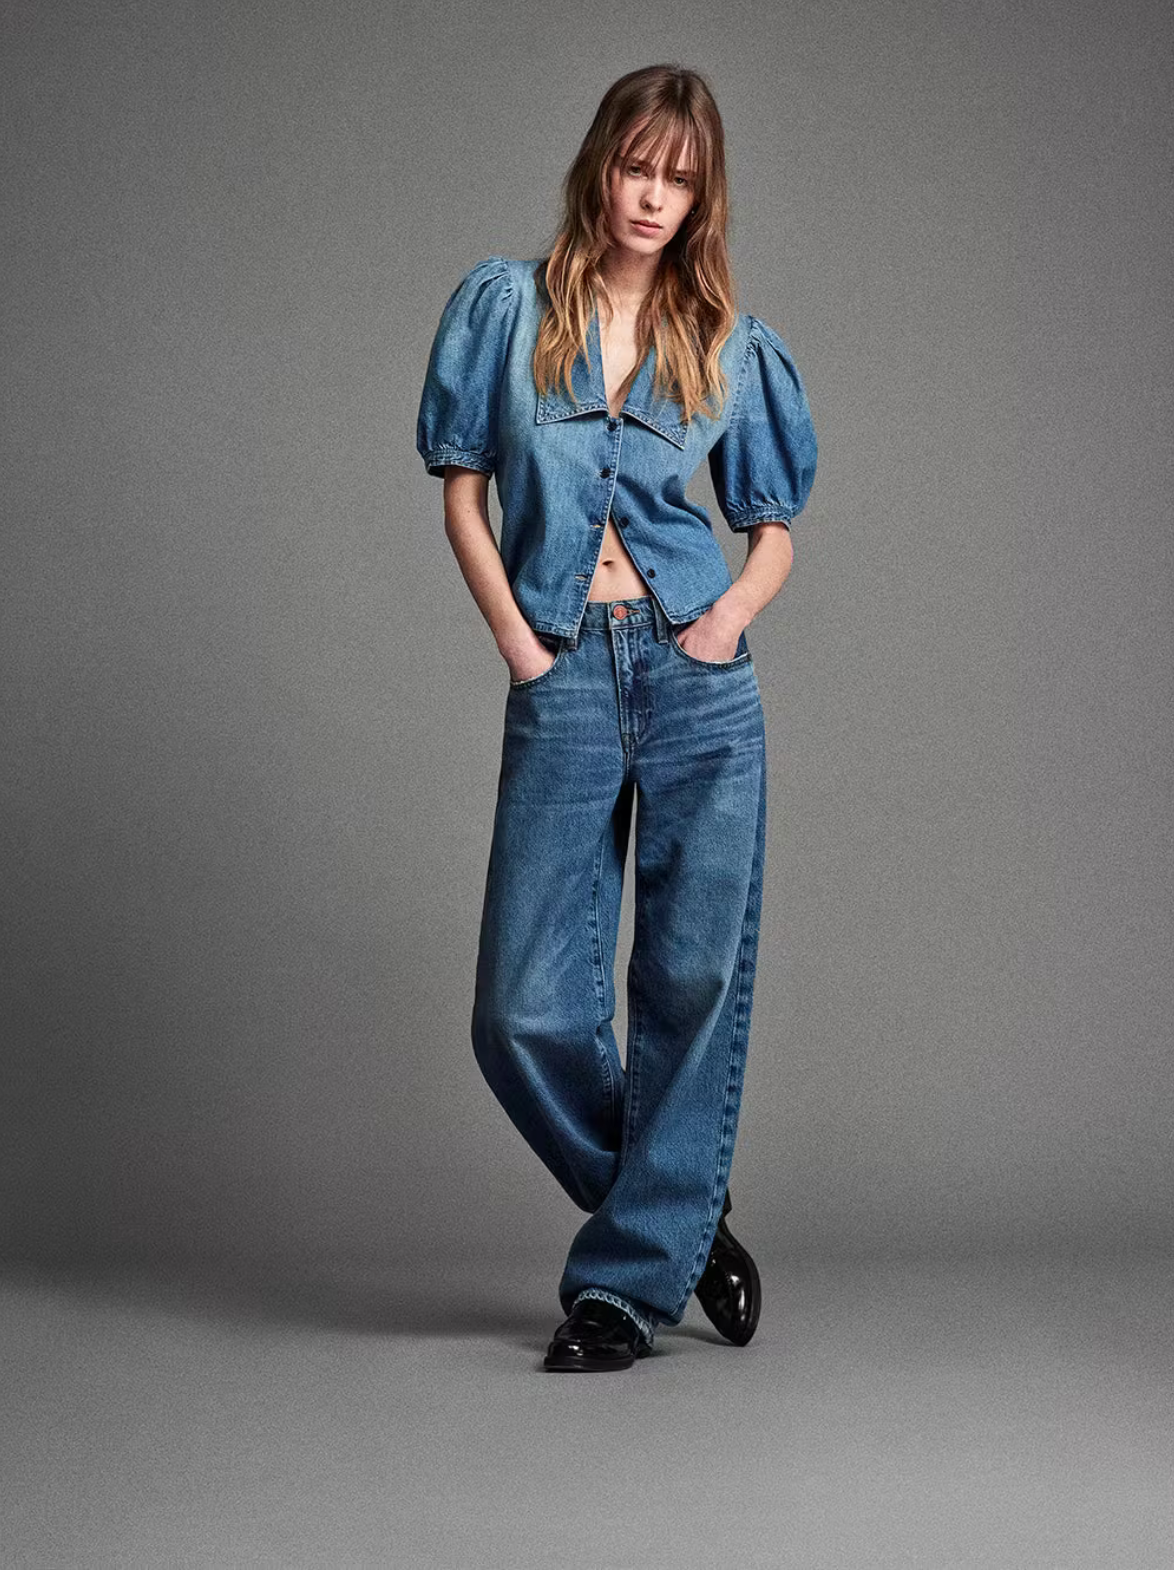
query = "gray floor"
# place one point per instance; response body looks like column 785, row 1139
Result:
column 995, row 1413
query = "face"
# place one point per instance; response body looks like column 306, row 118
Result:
column 640, row 194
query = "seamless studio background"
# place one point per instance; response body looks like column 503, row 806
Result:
column 276, row 1273
column 252, row 717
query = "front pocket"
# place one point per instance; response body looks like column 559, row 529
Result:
column 532, row 681
column 741, row 658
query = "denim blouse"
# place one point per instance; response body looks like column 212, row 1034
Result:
column 562, row 467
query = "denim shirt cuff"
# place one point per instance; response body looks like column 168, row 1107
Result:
column 436, row 458
column 764, row 514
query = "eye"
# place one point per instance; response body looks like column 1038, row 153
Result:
column 635, row 167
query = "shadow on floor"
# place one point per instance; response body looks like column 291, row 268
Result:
column 452, row 1303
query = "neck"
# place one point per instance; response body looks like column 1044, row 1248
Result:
column 627, row 277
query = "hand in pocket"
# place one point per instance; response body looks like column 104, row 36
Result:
column 538, row 656
column 706, row 641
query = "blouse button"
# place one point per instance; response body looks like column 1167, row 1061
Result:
column 623, row 522
column 652, row 572
column 604, row 473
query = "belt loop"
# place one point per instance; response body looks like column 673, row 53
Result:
column 660, row 621
column 571, row 640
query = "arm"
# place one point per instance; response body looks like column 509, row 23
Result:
column 469, row 532
column 763, row 467
column 769, row 555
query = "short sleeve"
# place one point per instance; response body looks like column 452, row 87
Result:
column 457, row 420
column 763, row 464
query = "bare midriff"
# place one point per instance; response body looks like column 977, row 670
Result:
column 616, row 575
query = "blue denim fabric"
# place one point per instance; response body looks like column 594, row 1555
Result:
column 563, row 465
column 625, row 723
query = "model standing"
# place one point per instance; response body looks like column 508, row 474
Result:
column 592, row 383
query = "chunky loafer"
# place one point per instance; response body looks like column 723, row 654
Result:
column 729, row 1289
column 594, row 1337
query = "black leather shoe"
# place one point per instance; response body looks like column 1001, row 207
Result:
column 729, row 1289
column 596, row 1336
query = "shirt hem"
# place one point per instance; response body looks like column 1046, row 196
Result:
column 563, row 629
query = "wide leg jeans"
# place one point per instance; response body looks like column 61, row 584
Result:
column 626, row 725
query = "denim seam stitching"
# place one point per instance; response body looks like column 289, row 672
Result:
column 764, row 512
column 635, row 1046
column 750, row 924
column 601, row 983
column 625, row 748
column 532, row 681
column 645, row 1326
column 703, row 1247
column 748, row 349
column 717, row 665
column 449, row 452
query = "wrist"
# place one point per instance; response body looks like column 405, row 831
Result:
column 730, row 613
column 514, row 639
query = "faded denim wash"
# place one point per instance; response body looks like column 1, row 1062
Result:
column 624, row 728
column 562, row 467
column 626, row 722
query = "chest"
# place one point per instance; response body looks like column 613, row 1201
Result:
column 617, row 344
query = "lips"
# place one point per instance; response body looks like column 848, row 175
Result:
column 640, row 224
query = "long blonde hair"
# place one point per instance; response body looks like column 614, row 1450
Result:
column 689, row 312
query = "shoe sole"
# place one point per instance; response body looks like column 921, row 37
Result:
column 583, row 1365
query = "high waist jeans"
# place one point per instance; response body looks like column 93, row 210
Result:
column 625, row 716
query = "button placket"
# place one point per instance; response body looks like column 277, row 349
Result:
column 608, row 472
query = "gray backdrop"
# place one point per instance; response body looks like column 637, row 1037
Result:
column 252, row 717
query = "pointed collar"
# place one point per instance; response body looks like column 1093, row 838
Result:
column 662, row 415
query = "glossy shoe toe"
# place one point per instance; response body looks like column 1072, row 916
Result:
column 729, row 1289
column 596, row 1336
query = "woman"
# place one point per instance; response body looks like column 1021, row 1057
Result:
column 592, row 383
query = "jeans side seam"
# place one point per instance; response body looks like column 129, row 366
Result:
column 737, row 1061
column 724, row 1144
column 600, row 980
column 632, row 1072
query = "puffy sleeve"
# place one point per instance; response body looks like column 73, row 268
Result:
column 763, row 464
column 457, row 420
